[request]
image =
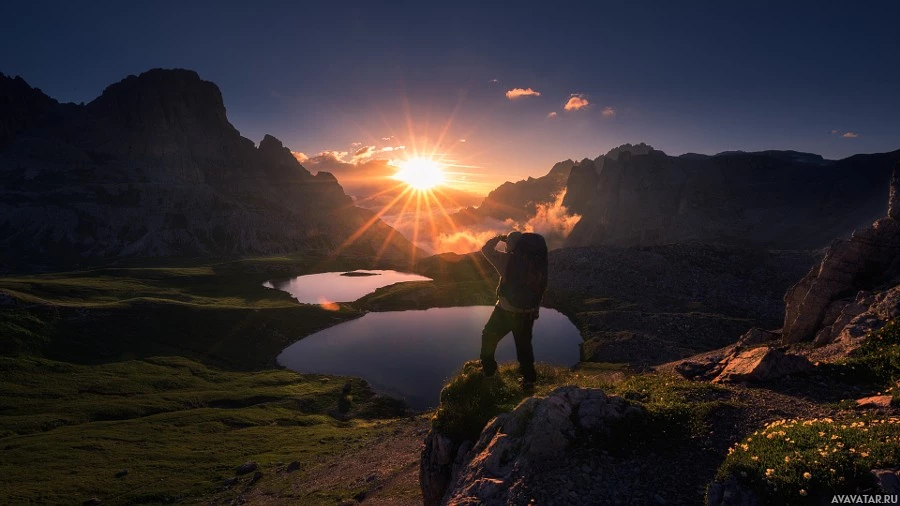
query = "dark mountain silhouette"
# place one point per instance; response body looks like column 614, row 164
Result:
column 638, row 196
column 776, row 199
column 153, row 168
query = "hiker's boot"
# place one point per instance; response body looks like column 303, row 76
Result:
column 527, row 386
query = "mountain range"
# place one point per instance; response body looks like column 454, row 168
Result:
column 635, row 195
column 153, row 168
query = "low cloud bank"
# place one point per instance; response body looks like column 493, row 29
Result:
column 552, row 220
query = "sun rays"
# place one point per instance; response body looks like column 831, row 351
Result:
column 420, row 173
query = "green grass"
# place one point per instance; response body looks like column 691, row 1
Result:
column 805, row 461
column 179, row 427
column 677, row 407
column 878, row 358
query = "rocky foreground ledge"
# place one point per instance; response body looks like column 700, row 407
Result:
column 521, row 456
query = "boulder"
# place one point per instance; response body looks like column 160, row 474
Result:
column 709, row 367
column 762, row 364
column 757, row 336
column 535, row 437
column 875, row 401
column 888, row 481
column 246, row 468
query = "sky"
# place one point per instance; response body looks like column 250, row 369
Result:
column 501, row 92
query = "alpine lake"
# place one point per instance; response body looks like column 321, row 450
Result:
column 407, row 354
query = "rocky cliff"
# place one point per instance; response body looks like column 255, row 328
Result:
column 774, row 199
column 151, row 168
column 853, row 290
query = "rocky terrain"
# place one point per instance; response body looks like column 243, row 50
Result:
column 153, row 168
column 761, row 421
column 655, row 304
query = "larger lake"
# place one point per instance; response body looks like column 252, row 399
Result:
column 410, row 354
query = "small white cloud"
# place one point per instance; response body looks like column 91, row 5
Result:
column 385, row 139
column 462, row 140
column 363, row 153
column 576, row 102
column 850, row 135
column 609, row 112
column 354, row 145
column 301, row 157
column 494, row 81
column 519, row 93
column 388, row 149
column 552, row 114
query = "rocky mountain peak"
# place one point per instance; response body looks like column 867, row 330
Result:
column 175, row 98
column 21, row 106
column 631, row 149
column 280, row 160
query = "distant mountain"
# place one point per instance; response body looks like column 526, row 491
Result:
column 153, row 168
column 635, row 195
column 775, row 199
column 517, row 201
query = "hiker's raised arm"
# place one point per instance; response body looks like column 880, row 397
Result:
column 489, row 250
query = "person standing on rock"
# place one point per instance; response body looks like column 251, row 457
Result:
column 523, row 280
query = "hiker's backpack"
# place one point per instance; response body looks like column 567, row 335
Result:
column 526, row 272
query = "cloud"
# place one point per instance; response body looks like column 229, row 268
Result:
column 850, row 135
column 609, row 112
column 834, row 132
column 576, row 102
column 385, row 139
column 494, row 81
column 552, row 114
column 388, row 149
column 462, row 140
column 354, row 145
column 519, row 93
column 301, row 157
column 551, row 219
column 337, row 156
column 362, row 153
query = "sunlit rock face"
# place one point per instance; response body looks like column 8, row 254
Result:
column 153, row 167
column 775, row 199
column 853, row 290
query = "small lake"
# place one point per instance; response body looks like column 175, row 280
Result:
column 339, row 286
column 410, row 354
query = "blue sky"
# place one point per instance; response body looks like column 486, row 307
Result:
column 683, row 76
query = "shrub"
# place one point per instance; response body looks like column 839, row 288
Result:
column 804, row 461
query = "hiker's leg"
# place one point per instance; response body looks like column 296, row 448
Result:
column 524, row 352
column 497, row 326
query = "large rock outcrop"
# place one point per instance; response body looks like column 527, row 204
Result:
column 851, row 280
column 152, row 167
column 518, row 449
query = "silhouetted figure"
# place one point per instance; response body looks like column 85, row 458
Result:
column 523, row 279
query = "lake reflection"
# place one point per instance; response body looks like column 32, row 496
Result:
column 411, row 354
column 338, row 286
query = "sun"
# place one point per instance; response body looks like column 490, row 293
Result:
column 420, row 173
